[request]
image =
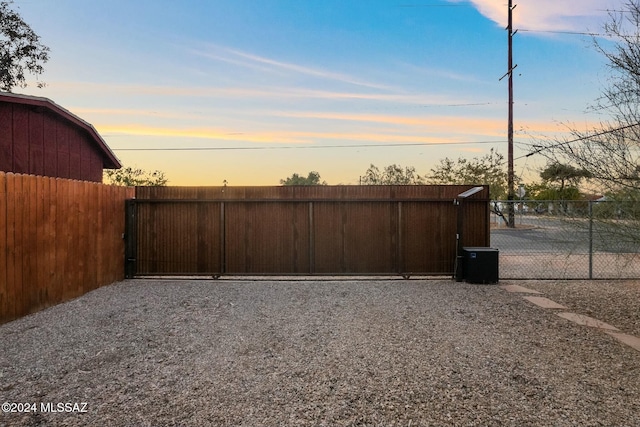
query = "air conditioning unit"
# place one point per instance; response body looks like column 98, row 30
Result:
column 480, row 265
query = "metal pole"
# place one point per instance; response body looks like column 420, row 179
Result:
column 458, row 268
column 590, row 239
column 399, row 243
column 130, row 236
column 510, row 174
column 458, row 272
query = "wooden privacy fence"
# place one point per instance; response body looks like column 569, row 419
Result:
column 58, row 240
column 306, row 230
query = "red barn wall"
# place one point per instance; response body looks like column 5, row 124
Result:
column 36, row 141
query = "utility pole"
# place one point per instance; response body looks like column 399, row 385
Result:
column 510, row 176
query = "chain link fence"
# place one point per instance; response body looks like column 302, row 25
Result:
column 567, row 239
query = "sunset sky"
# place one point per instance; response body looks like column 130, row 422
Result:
column 260, row 89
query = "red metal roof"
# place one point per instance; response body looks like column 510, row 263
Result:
column 110, row 159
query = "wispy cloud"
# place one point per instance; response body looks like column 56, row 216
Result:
column 266, row 125
column 549, row 14
column 453, row 124
column 439, row 131
column 273, row 138
column 127, row 112
column 254, row 61
column 274, row 92
column 201, row 133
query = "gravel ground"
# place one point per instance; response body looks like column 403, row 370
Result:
column 325, row 353
column 616, row 302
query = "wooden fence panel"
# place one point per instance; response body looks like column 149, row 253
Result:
column 369, row 237
column 264, row 238
column 328, row 237
column 428, row 236
column 355, row 237
column 177, row 238
column 304, row 230
column 58, row 239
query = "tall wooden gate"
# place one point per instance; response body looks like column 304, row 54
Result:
column 305, row 230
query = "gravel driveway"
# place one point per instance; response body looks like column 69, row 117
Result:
column 324, row 353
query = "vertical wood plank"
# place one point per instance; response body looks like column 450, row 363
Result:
column 100, row 235
column 41, row 243
column 11, row 247
column 106, row 245
column 21, row 215
column 4, row 303
column 64, row 237
column 57, row 275
column 71, row 228
column 22, row 245
column 30, row 260
column 81, row 233
column 93, row 234
column 82, row 236
column 49, row 234
column 114, row 256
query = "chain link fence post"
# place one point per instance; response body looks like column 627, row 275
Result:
column 590, row 239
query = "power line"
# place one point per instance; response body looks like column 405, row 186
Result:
column 614, row 11
column 305, row 147
column 582, row 138
column 579, row 33
column 431, row 5
column 470, row 104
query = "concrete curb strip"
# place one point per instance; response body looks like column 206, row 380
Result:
column 519, row 289
column 581, row 319
column 545, row 302
column 629, row 340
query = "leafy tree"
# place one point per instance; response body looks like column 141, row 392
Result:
column 132, row 177
column 554, row 193
column 487, row 170
column 20, row 50
column 565, row 176
column 391, row 175
column 312, row 179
